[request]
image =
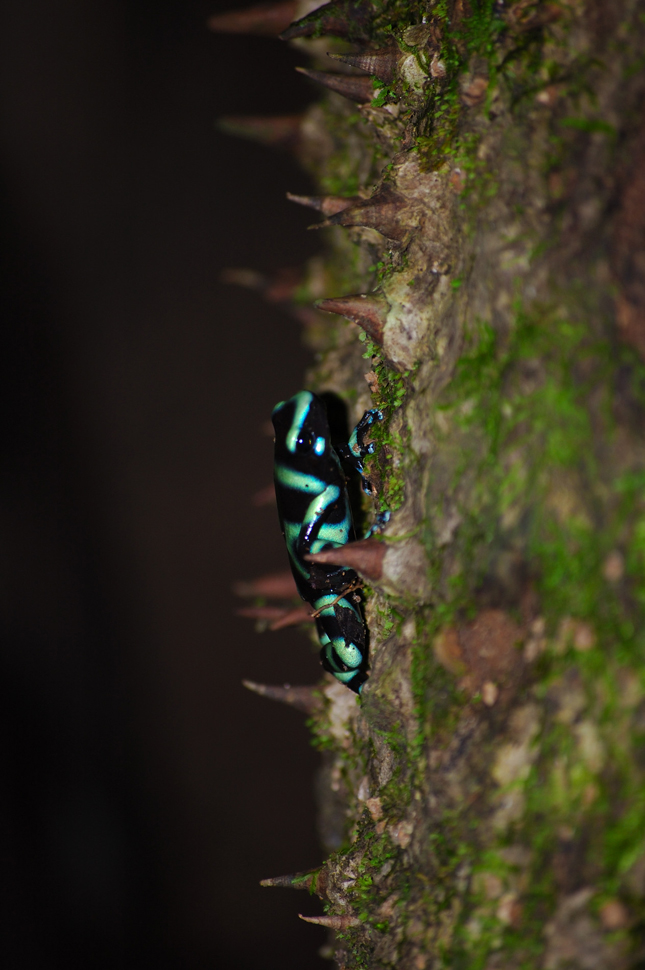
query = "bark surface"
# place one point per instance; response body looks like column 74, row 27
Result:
column 484, row 803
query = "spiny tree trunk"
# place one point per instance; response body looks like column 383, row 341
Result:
column 484, row 802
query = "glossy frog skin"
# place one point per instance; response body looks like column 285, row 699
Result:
column 314, row 513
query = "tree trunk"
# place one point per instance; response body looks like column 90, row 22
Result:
column 484, row 802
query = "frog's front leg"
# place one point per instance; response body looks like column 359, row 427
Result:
column 356, row 444
column 356, row 449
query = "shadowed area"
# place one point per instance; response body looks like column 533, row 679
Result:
column 144, row 792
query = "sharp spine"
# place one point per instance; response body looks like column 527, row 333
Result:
column 274, row 586
column 265, row 496
column 338, row 923
column 297, row 880
column 365, row 556
column 279, row 290
column 249, row 279
column 368, row 312
column 329, row 205
column 381, row 212
column 278, row 131
column 297, row 616
column 341, row 18
column 270, row 613
column 380, row 63
column 276, row 289
column 264, row 19
column 358, row 89
column 302, row 698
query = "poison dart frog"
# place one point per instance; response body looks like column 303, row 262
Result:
column 314, row 512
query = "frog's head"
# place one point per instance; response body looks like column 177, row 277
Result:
column 301, row 428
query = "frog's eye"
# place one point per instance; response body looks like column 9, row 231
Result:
column 304, row 443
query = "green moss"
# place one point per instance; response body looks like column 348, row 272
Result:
column 391, row 459
column 364, row 895
column 487, row 403
column 446, row 136
column 438, row 703
column 382, row 94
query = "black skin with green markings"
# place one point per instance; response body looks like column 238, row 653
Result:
column 315, row 514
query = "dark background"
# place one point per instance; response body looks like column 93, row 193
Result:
column 143, row 791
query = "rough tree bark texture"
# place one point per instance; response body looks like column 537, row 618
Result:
column 484, row 803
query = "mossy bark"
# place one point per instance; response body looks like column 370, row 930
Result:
column 484, row 802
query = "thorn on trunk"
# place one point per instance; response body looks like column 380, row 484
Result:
column 358, row 89
column 261, row 612
column 300, row 614
column 341, row 18
column 275, row 289
column 263, row 19
column 381, row 63
column 383, row 212
column 279, row 131
column 265, row 496
column 279, row 290
column 338, row 923
column 250, row 279
column 369, row 312
column 365, row 556
column 329, row 205
column 313, row 880
column 297, row 880
column 302, row 698
column 275, row 586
